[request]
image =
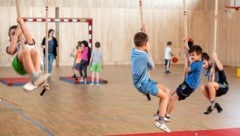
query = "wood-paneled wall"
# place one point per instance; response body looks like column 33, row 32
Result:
column 116, row 21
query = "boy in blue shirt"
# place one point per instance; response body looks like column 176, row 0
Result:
column 192, row 80
column 141, row 62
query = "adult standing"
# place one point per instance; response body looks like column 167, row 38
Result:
column 52, row 48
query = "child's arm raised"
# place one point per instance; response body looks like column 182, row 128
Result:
column 12, row 48
column 26, row 32
column 217, row 62
column 188, row 64
column 150, row 56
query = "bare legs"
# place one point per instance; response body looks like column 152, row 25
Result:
column 209, row 90
column 163, row 94
column 171, row 104
column 30, row 60
column 95, row 74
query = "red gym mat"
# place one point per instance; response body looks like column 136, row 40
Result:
column 20, row 81
column 14, row 81
column 72, row 80
column 213, row 132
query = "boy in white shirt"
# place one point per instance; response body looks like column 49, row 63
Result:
column 168, row 56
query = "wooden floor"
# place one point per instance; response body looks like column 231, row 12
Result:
column 114, row 108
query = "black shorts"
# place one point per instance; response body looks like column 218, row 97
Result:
column 167, row 62
column 183, row 91
column 222, row 90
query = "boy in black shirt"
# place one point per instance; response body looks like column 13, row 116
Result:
column 217, row 85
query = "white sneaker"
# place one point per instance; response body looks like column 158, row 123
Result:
column 81, row 80
column 162, row 126
column 157, row 118
column 29, row 86
column 166, row 119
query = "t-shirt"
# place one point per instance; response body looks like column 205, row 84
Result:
column 167, row 53
column 19, row 47
column 51, row 46
column 96, row 56
column 140, row 64
column 194, row 77
column 85, row 54
column 220, row 76
column 78, row 56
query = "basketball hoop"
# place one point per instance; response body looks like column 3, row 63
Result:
column 230, row 9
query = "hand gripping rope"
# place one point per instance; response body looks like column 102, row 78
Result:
column 141, row 16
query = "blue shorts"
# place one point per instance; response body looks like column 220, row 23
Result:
column 149, row 87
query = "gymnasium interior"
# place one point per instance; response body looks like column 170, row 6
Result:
column 64, row 106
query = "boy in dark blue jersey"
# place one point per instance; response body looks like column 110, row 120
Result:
column 217, row 85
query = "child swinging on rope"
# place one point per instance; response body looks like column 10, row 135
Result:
column 215, row 87
column 141, row 62
column 26, row 59
column 191, row 82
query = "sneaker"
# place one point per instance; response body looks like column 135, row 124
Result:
column 156, row 117
column 166, row 118
column 81, row 80
column 29, row 86
column 167, row 71
column 218, row 107
column 42, row 78
column 85, row 81
column 76, row 78
column 98, row 83
column 162, row 126
column 91, row 83
column 209, row 110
